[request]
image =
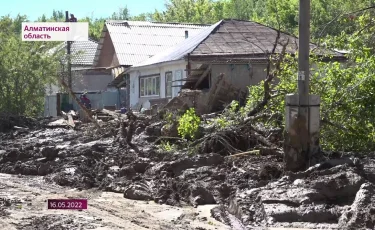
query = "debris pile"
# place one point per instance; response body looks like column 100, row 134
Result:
column 238, row 167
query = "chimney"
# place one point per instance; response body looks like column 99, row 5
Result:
column 186, row 34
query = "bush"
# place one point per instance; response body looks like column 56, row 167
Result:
column 188, row 124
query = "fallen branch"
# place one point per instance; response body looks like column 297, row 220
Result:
column 254, row 152
column 270, row 76
column 261, row 139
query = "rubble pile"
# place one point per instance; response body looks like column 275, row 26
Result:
column 124, row 156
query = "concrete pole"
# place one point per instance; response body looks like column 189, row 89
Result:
column 304, row 70
column 302, row 110
column 303, row 55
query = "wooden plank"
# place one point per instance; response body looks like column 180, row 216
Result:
column 71, row 121
column 86, row 111
column 214, row 91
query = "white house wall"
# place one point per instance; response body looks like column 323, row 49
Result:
column 134, row 82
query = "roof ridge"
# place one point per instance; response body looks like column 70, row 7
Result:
column 153, row 23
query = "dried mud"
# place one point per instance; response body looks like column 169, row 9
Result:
column 252, row 189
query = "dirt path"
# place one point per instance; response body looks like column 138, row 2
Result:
column 105, row 210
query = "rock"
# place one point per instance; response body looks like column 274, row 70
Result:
column 361, row 214
column 137, row 192
column 50, row 152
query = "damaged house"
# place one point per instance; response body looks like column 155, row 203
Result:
column 127, row 43
column 122, row 44
column 220, row 61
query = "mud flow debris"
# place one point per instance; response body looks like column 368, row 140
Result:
column 248, row 190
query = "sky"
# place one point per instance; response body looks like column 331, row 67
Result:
column 80, row 8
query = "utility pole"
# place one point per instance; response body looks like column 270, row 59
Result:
column 303, row 56
column 68, row 44
column 302, row 110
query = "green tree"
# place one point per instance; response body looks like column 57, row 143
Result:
column 121, row 14
column 25, row 69
column 188, row 11
column 346, row 90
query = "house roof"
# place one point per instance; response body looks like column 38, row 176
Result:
column 136, row 41
column 231, row 38
column 83, row 52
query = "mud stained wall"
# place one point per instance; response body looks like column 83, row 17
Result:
column 175, row 68
column 240, row 75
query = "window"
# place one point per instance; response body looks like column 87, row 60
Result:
column 178, row 80
column 168, row 84
column 149, row 86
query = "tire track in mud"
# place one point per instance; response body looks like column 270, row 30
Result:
column 105, row 210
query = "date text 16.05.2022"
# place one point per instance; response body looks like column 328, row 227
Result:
column 77, row 204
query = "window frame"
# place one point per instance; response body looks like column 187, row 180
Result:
column 166, row 84
column 145, row 82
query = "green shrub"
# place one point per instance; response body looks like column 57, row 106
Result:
column 188, row 124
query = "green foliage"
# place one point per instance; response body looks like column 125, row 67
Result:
column 169, row 117
column 25, row 69
column 188, row 124
column 346, row 91
column 230, row 116
column 166, row 146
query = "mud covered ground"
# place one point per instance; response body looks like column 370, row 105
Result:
column 338, row 194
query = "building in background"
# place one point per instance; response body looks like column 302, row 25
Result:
column 234, row 50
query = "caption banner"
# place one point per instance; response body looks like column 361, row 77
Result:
column 55, row 31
